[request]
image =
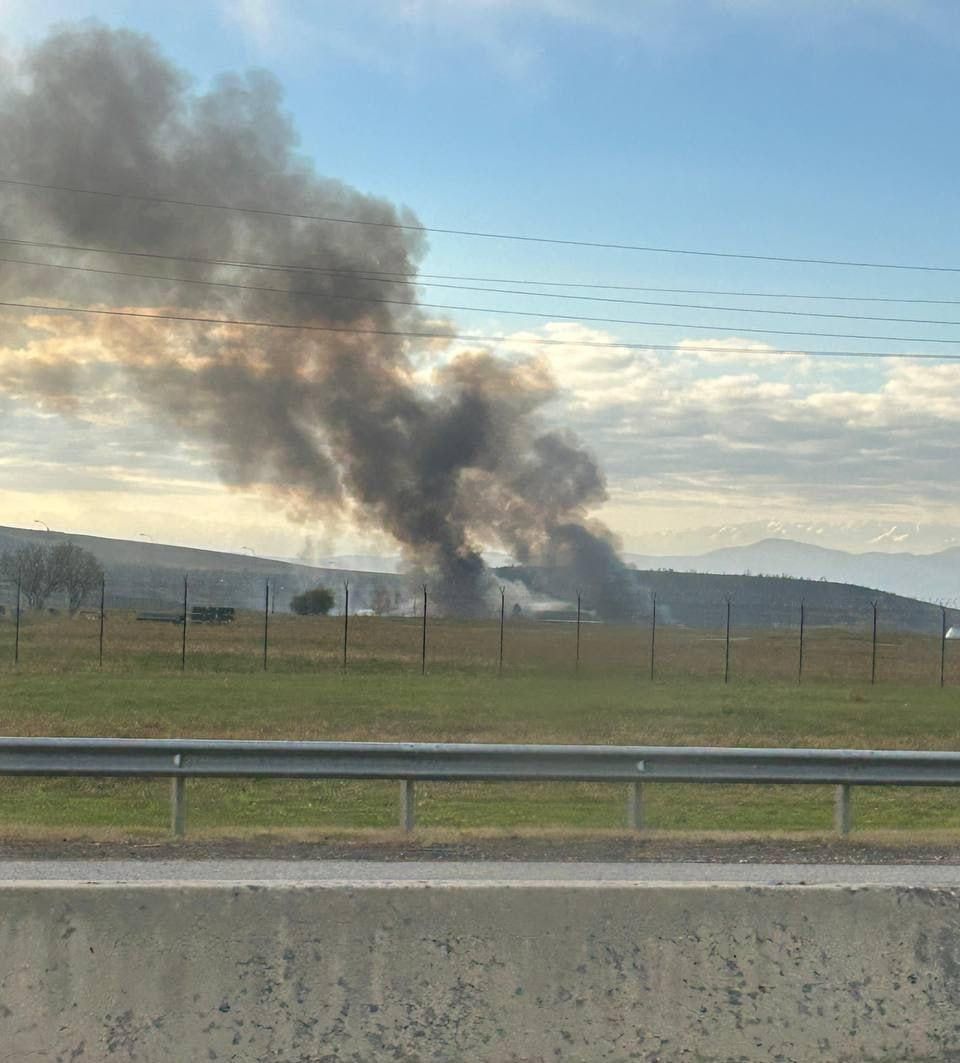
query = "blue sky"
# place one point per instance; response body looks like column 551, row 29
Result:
column 803, row 128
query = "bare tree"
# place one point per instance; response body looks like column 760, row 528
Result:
column 42, row 570
column 76, row 572
column 382, row 601
column 29, row 565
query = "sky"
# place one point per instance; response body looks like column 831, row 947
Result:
column 801, row 129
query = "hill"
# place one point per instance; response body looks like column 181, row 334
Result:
column 698, row 600
column 144, row 575
column 934, row 577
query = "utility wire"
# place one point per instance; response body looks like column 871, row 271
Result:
column 413, row 277
column 517, row 237
column 439, row 335
column 493, row 291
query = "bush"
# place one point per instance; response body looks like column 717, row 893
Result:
column 317, row 602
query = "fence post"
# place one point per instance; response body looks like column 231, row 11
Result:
column 842, row 812
column 503, row 606
column 423, row 641
column 726, row 648
column 873, row 653
column 103, row 596
column 943, row 641
column 408, row 805
column 178, row 805
column 802, row 618
column 16, row 637
column 266, row 620
column 577, row 662
column 346, row 619
column 653, row 635
column 635, row 809
column 183, row 640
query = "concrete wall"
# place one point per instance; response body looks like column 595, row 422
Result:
column 177, row 973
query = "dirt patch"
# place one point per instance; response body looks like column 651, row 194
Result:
column 507, row 848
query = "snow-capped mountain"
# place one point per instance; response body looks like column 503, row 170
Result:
column 854, row 537
column 931, row 577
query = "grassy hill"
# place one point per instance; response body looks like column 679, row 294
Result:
column 698, row 600
column 144, row 575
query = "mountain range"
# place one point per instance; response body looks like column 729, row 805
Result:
column 142, row 574
column 930, row 577
column 851, row 536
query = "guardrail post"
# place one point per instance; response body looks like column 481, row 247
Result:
column 635, row 810
column 178, row 806
column 842, row 811
column 408, row 805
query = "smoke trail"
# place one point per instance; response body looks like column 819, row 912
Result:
column 321, row 420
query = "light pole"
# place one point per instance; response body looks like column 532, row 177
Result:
column 46, row 527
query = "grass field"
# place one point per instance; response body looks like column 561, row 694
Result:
column 393, row 645
column 459, row 703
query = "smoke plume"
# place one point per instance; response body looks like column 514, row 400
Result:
column 323, row 420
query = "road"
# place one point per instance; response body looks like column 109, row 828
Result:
column 512, row 872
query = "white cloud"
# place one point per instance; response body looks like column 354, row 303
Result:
column 509, row 34
column 755, row 431
column 734, row 350
column 720, row 434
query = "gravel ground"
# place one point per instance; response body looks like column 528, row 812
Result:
column 503, row 849
column 481, row 872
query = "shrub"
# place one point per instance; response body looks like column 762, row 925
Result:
column 317, row 602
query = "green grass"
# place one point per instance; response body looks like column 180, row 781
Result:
column 392, row 646
column 457, row 705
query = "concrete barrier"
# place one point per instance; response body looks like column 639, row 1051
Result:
column 184, row 973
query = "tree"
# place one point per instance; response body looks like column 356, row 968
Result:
column 42, row 570
column 317, row 602
column 381, row 602
column 30, row 567
column 76, row 572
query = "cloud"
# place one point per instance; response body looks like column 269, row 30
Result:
column 758, row 430
column 740, row 428
column 510, row 32
column 734, row 350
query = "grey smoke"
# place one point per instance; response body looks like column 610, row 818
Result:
column 316, row 418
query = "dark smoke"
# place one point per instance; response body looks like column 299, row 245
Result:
column 322, row 420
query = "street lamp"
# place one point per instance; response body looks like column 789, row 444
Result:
column 46, row 527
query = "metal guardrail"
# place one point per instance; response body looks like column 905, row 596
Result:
column 410, row 762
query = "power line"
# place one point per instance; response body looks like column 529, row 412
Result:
column 413, row 277
column 534, row 314
column 516, row 237
column 274, row 266
column 492, row 291
column 403, row 333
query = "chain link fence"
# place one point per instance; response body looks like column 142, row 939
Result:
column 206, row 622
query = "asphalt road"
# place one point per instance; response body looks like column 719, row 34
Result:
column 375, row 871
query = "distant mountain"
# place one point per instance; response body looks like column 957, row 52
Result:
column 930, row 577
column 355, row 562
column 699, row 600
column 379, row 562
column 144, row 575
column 853, row 537
column 765, row 580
